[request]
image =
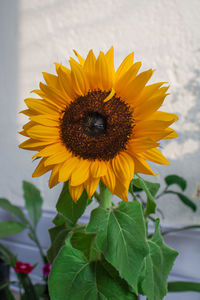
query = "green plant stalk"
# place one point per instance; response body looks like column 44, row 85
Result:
column 35, row 239
column 105, row 197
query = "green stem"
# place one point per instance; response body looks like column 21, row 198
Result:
column 35, row 239
column 180, row 229
column 104, row 196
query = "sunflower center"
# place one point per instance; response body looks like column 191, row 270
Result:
column 93, row 129
column 94, row 124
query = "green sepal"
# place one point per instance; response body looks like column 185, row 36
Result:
column 73, row 277
column 122, row 238
column 33, row 202
column 68, row 208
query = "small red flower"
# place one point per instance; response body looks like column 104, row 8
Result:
column 21, row 267
column 46, row 269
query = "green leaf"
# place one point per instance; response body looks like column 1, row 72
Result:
column 122, row 238
column 73, row 277
column 175, row 179
column 13, row 209
column 59, row 220
column 183, row 286
column 85, row 242
column 6, row 255
column 150, row 190
column 157, row 266
column 33, row 202
column 58, row 235
column 184, row 199
column 68, row 208
column 10, row 227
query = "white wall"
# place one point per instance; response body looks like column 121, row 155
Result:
column 163, row 33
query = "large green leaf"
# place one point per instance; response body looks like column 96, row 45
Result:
column 175, row 179
column 184, row 199
column 183, row 286
column 150, row 189
column 13, row 209
column 33, row 202
column 58, row 235
column 157, row 267
column 74, row 277
column 68, row 208
column 86, row 243
column 122, row 238
column 10, row 227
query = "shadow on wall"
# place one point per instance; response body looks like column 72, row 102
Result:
column 187, row 100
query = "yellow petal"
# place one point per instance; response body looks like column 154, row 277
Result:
column 41, row 106
column 123, row 166
column 170, row 134
column 163, row 116
column 141, row 166
column 89, row 70
column 91, row 185
column 43, row 133
column 156, row 156
column 124, row 82
column 67, row 168
column 41, row 168
column 53, row 180
column 56, row 97
column 149, row 107
column 59, row 157
column 149, row 91
column 80, row 58
column 121, row 189
column 98, row 168
column 28, row 112
column 140, row 145
column 51, row 80
column 76, row 192
column 109, row 178
column 110, row 61
column 103, row 72
column 135, row 87
column 125, row 65
column 64, row 77
column 51, row 150
column 31, row 144
column 48, row 120
column 79, row 81
column 81, row 174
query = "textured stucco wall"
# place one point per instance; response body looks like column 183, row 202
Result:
column 164, row 35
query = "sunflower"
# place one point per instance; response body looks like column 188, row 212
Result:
column 93, row 123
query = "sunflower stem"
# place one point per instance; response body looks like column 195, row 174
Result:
column 105, row 196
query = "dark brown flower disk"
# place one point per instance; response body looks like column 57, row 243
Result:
column 94, row 129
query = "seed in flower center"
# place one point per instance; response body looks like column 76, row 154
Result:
column 94, row 124
column 94, row 129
